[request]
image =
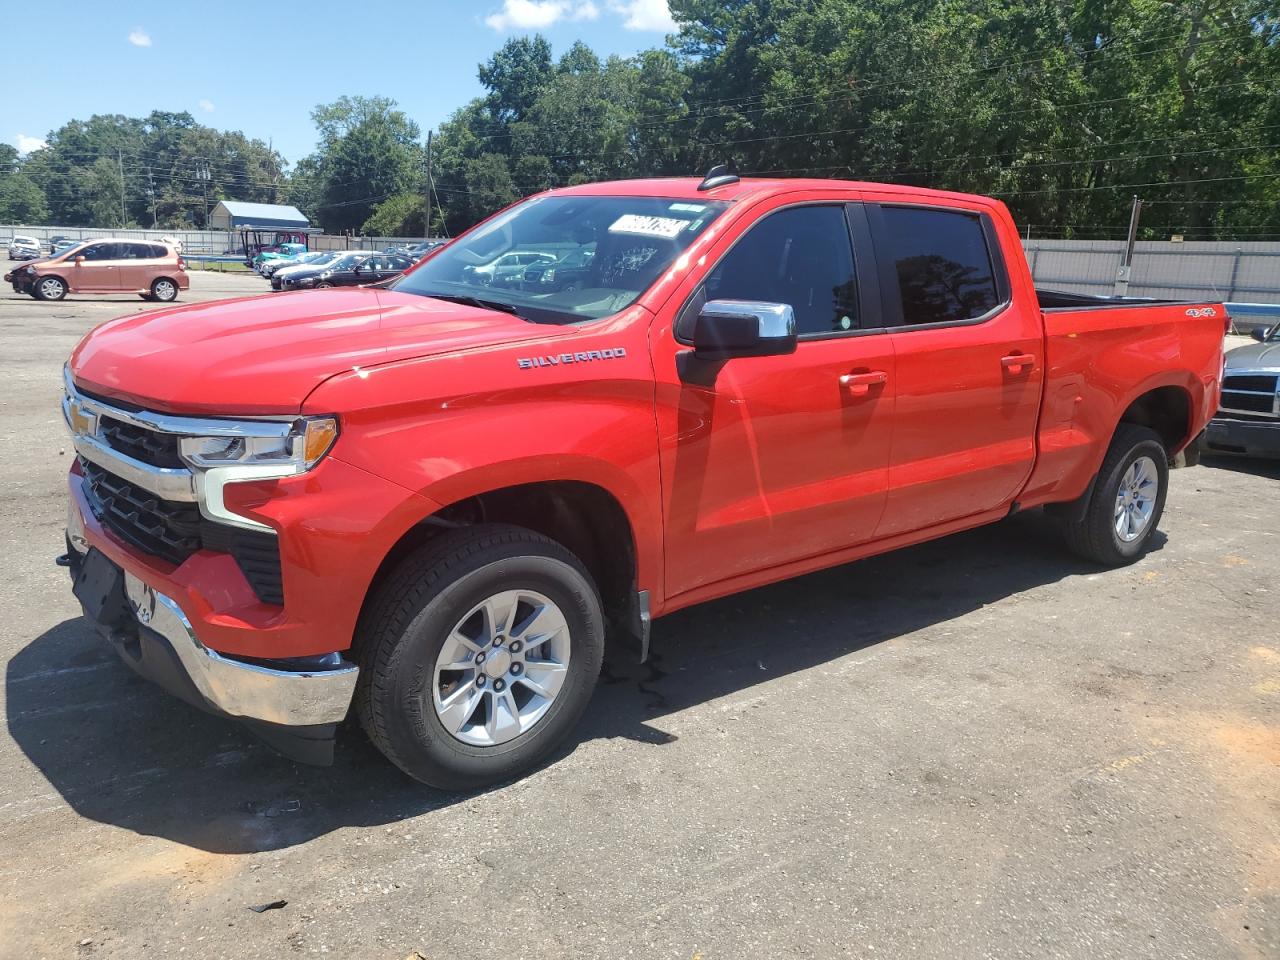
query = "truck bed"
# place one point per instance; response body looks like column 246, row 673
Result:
column 1104, row 358
column 1061, row 300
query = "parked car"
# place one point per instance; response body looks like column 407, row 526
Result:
column 61, row 245
column 288, row 269
column 418, row 250
column 427, row 501
column 173, row 242
column 1248, row 420
column 570, row 272
column 509, row 265
column 151, row 270
column 352, row 271
column 280, row 251
column 24, row 248
column 58, row 240
column 271, row 267
column 322, row 275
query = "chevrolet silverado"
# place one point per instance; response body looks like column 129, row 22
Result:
column 428, row 503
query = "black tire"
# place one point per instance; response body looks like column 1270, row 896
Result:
column 405, row 625
column 1094, row 537
column 164, row 290
column 324, row 285
column 49, row 288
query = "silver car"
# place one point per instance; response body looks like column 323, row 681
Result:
column 24, row 248
column 1248, row 420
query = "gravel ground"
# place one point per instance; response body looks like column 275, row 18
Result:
column 977, row 747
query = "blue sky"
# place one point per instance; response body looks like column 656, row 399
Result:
column 261, row 67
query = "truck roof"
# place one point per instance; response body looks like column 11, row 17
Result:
column 749, row 187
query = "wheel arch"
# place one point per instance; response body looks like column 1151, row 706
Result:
column 1167, row 409
column 66, row 285
column 585, row 518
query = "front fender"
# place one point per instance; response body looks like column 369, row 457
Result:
column 591, row 422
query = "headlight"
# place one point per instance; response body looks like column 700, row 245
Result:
column 549, row 275
column 296, row 451
column 31, row 270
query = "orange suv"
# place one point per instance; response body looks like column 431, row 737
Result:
column 152, row 270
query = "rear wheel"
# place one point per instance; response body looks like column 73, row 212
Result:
column 164, row 290
column 1127, row 501
column 478, row 655
column 49, row 288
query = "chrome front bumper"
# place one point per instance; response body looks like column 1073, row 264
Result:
column 247, row 691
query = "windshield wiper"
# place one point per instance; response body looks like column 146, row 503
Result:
column 482, row 304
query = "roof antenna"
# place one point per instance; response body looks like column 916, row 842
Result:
column 720, row 175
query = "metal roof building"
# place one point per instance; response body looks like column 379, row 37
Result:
column 236, row 215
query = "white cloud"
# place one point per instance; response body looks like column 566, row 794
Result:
column 539, row 14
column 206, row 106
column 644, row 15
column 26, row 144
column 139, row 37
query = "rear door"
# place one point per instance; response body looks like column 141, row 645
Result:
column 136, row 265
column 969, row 365
column 767, row 460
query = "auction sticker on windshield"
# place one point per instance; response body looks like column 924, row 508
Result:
column 667, row 227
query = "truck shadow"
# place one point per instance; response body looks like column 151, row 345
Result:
column 1257, row 466
column 121, row 752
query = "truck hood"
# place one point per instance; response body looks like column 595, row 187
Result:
column 264, row 355
column 1256, row 356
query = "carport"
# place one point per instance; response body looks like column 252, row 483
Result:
column 262, row 226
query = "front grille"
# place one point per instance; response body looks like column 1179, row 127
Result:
column 157, row 449
column 163, row 528
column 1250, row 393
column 173, row 530
column 1256, row 382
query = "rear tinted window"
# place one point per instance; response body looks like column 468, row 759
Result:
column 942, row 262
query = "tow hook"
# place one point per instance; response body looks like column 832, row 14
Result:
column 63, row 561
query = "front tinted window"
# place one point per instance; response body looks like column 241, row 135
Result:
column 942, row 262
column 635, row 240
column 801, row 256
column 98, row 251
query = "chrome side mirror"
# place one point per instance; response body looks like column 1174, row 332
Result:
column 744, row 328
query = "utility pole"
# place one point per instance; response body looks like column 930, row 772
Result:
column 203, row 175
column 124, row 215
column 151, row 192
column 1126, row 261
column 426, row 230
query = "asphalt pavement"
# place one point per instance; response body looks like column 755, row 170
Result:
column 976, row 748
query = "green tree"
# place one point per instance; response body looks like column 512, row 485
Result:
column 368, row 153
column 21, row 201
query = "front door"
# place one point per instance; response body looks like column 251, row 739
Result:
column 100, row 270
column 969, row 366
column 767, row 460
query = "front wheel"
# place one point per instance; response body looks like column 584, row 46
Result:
column 478, row 655
column 50, row 288
column 324, row 285
column 1127, row 501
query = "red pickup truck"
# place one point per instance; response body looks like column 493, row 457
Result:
column 430, row 502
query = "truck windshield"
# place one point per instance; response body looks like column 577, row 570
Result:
column 564, row 259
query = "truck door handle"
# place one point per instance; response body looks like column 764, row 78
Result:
column 860, row 384
column 1015, row 362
